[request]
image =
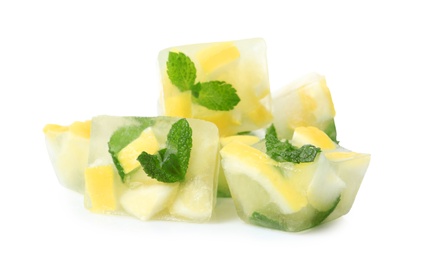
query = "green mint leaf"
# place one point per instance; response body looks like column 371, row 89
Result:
column 171, row 163
column 151, row 165
column 261, row 220
column 304, row 219
column 271, row 131
column 167, row 170
column 172, row 167
column 181, row 71
column 284, row 151
column 217, row 95
column 180, row 142
column 245, row 133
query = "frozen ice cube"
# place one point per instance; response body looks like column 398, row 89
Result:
column 68, row 148
column 293, row 196
column 116, row 182
column 305, row 102
column 241, row 64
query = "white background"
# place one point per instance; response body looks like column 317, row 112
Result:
column 62, row 61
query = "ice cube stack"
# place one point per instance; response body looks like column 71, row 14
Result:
column 219, row 132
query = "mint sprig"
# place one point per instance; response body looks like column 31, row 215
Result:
column 170, row 164
column 284, row 151
column 214, row 95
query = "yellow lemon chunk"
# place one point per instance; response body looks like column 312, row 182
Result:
column 100, row 188
column 55, row 129
column 312, row 135
column 82, row 129
column 217, row 55
column 179, row 105
column 255, row 181
column 146, row 201
column 223, row 120
column 146, row 142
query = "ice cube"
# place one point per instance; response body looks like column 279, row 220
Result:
column 241, row 64
column 293, row 196
column 305, row 102
column 68, row 148
column 116, row 182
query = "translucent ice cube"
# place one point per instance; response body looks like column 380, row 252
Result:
column 116, row 182
column 68, row 148
column 293, row 196
column 305, row 102
column 241, row 64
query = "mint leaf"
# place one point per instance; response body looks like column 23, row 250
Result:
column 181, row 71
column 284, row 151
column 167, row 170
column 179, row 142
column 171, row 163
column 217, row 95
column 304, row 219
column 151, row 164
column 271, row 131
column 172, row 166
column 261, row 220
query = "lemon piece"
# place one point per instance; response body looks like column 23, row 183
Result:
column 100, row 188
column 146, row 201
column 179, row 105
column 52, row 129
column 82, row 129
column 255, row 181
column 312, row 135
column 145, row 142
column 217, row 55
column 225, row 121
